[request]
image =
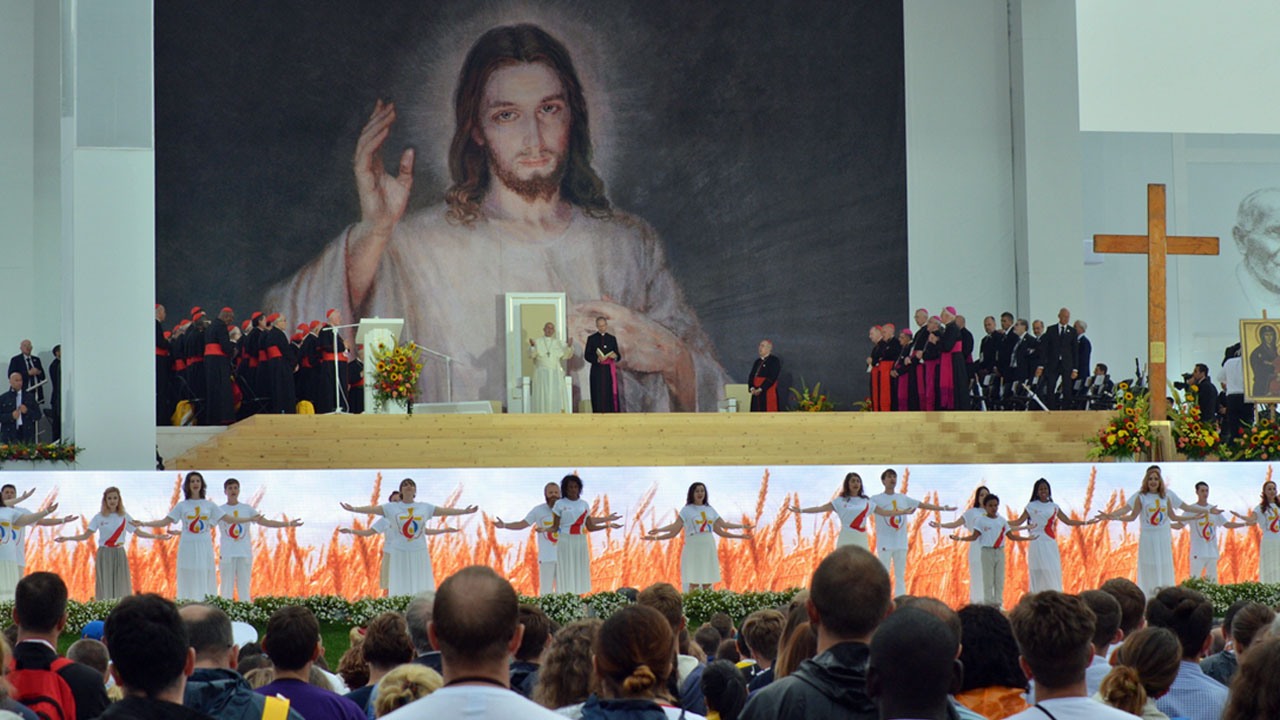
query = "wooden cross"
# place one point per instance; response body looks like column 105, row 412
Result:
column 1155, row 245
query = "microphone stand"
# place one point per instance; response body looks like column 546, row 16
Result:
column 448, row 370
column 338, row 394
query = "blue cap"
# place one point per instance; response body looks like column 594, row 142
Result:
column 93, row 630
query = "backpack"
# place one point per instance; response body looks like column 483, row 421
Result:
column 43, row 690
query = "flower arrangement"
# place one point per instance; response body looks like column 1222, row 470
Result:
column 1129, row 430
column 48, row 452
column 1194, row 438
column 812, row 399
column 395, row 374
column 1259, row 441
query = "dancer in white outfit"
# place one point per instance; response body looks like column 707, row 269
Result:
column 990, row 531
column 891, row 532
column 197, row 573
column 968, row 519
column 854, row 509
column 542, row 519
column 1267, row 516
column 1041, row 516
column 235, row 550
column 410, row 556
column 1155, row 506
column 379, row 527
column 573, row 521
column 699, row 561
column 111, row 566
column 1204, row 535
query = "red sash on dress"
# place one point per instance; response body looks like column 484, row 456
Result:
column 115, row 536
column 273, row 353
column 213, row 349
column 576, row 527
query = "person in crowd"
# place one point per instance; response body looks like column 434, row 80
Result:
column 951, row 620
column 799, row 644
column 1266, row 515
column 1189, row 615
column 1042, row 515
column 883, row 356
column 1157, row 507
column 708, row 639
column 953, row 373
column 91, row 652
column 352, row 667
column 542, row 519
column 417, row 617
column 686, row 676
column 476, row 627
column 1054, row 632
column 991, row 530
column 332, row 365
column 763, row 630
column 849, row 597
column 524, row 669
column 724, row 690
column 993, row 684
column 892, row 531
column 30, row 368
column 1206, row 393
column 215, row 688
column 700, row 523
column 763, row 379
column 19, row 412
column 292, row 641
column 1238, row 412
column 967, row 520
column 1084, row 351
column 566, row 677
column 404, row 685
column 1147, row 663
column 386, row 645
column 723, row 624
column 1221, row 666
column 1022, row 358
column 150, row 659
column 853, row 508
column 196, row 572
column 111, row 564
column 572, row 521
column 728, row 650
column 927, row 375
column 55, row 395
column 901, row 373
column 235, row 548
column 1106, row 632
column 912, row 666
column 277, row 372
column 1249, row 624
column 1133, row 606
column 1254, row 691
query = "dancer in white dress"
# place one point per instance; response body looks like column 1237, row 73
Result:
column 854, row 509
column 1267, row 517
column 197, row 574
column 1204, row 535
column 891, row 532
column 968, row 519
column 12, row 520
column 1155, row 507
column 111, row 565
column 699, row 560
column 989, row 532
column 9, row 495
column 572, row 521
column 410, row 558
column 379, row 527
column 1041, row 516
column 541, row 518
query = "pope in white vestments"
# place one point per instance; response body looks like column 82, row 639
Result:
column 547, row 387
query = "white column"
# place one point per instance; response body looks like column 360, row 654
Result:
column 108, row 232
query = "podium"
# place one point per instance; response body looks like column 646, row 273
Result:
column 371, row 333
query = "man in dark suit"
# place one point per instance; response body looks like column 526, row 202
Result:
column 29, row 366
column 1005, row 353
column 55, row 396
column 1206, row 395
column 1057, row 359
column 1084, row 352
column 19, row 412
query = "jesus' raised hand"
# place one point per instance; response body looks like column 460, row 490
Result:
column 383, row 199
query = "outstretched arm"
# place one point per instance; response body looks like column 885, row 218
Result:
column 450, row 512
column 603, row 521
column 74, row 538
column 726, row 525
column 1124, row 514
column 520, row 525
column 966, row 538
column 661, row 534
column 151, row 536
column 365, row 532
column 958, row 522
column 937, row 508
column 722, row 528
column 1249, row 519
column 165, row 521
column 670, row 530
column 363, row 509
column 1076, row 523
column 1197, row 510
column 265, row 521
column 29, row 518
column 815, row 509
column 439, row 531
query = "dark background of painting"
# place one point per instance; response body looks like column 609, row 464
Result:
column 763, row 140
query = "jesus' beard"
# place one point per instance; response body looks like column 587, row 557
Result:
column 538, row 187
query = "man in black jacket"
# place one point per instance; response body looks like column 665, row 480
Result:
column 19, row 412
column 40, row 609
column 150, row 658
column 1206, row 395
column 215, row 688
column 849, row 597
column 1057, row 359
column 29, row 366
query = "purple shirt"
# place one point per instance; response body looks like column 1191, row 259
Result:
column 314, row 703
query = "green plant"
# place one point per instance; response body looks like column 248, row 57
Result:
column 812, row 399
column 1223, row 596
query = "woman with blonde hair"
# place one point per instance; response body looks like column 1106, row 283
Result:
column 1155, row 505
column 405, row 684
column 1146, row 665
column 1266, row 515
column 111, row 566
column 565, row 678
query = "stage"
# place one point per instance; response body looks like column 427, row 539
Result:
column 655, row 439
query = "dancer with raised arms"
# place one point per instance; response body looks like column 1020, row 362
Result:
column 1204, row 535
column 381, row 526
column 410, row 571
column 12, row 520
column 853, row 507
column 1266, row 515
column 9, row 495
column 236, row 548
column 1041, row 515
column 699, row 561
column 197, row 575
column 891, row 531
column 968, row 520
column 111, row 564
column 571, row 523
column 990, row 531
column 543, row 519
column 1156, row 506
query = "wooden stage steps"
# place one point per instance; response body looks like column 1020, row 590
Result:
column 789, row 438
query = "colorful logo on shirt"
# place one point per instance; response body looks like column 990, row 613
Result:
column 1206, row 528
column 895, row 522
column 410, row 524
column 553, row 535
column 1273, row 522
column 8, row 533
column 1157, row 513
column 236, row 531
column 704, row 525
column 196, row 522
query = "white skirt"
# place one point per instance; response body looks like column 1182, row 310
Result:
column 849, row 536
column 1044, row 565
column 410, row 571
column 976, row 594
column 1269, row 561
column 197, row 576
column 699, row 561
column 8, row 579
column 573, row 566
column 1155, row 560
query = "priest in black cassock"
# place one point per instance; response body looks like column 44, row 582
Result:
column 164, row 365
column 603, row 354
column 953, row 375
column 219, row 401
column 193, row 342
column 763, row 379
column 279, row 367
column 914, row 361
column 329, row 395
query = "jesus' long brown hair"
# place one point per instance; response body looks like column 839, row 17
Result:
column 468, row 164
